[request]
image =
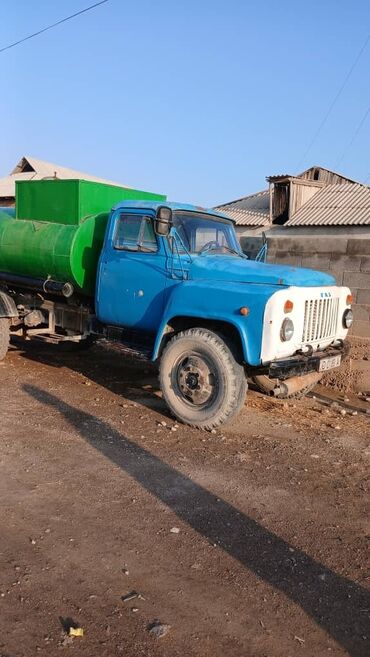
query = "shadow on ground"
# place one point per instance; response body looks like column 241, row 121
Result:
column 336, row 604
column 132, row 379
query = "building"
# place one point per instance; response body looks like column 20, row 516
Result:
column 29, row 168
column 318, row 219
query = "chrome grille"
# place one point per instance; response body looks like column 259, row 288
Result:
column 320, row 319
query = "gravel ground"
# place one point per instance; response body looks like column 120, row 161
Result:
column 248, row 542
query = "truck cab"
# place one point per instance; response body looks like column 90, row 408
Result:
column 173, row 285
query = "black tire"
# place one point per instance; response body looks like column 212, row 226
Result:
column 266, row 386
column 201, row 380
column 4, row 337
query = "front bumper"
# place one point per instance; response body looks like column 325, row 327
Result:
column 301, row 364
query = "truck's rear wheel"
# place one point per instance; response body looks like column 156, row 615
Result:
column 4, row 337
column 201, row 380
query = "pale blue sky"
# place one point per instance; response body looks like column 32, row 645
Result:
column 197, row 99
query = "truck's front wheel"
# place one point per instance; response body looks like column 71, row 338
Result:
column 4, row 337
column 201, row 380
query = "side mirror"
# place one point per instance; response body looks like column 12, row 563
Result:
column 163, row 221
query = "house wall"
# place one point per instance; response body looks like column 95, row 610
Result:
column 343, row 252
column 251, row 239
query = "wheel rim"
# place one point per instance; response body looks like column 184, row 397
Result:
column 195, row 379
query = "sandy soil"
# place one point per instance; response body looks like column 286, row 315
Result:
column 354, row 373
column 268, row 554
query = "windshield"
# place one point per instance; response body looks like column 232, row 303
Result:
column 202, row 233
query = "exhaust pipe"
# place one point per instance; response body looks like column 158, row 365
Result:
column 295, row 384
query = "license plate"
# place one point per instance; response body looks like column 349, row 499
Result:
column 329, row 363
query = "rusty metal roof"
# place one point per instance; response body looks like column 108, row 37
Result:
column 335, row 205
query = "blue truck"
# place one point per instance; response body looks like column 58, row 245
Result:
column 171, row 284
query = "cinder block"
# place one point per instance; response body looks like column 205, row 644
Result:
column 358, row 246
column 363, row 296
column 361, row 312
column 339, row 275
column 288, row 259
column 308, row 244
column 357, row 279
column 361, row 329
column 365, row 264
column 341, row 263
column 316, row 261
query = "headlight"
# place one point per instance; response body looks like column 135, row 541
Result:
column 347, row 318
column 287, row 330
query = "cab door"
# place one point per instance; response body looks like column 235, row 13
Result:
column 132, row 273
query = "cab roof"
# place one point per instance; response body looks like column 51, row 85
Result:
column 154, row 205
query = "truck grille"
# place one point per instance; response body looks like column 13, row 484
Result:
column 320, row 319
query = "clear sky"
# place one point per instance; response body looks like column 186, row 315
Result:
column 199, row 99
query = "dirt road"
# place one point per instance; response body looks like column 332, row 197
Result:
column 247, row 542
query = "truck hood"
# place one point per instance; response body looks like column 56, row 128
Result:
column 237, row 270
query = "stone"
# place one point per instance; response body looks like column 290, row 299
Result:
column 129, row 596
column 158, row 629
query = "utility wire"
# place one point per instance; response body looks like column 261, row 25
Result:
column 334, row 101
column 357, row 130
column 50, row 27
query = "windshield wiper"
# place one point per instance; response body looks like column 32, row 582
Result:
column 213, row 247
column 242, row 255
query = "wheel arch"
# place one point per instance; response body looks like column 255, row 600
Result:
column 182, row 322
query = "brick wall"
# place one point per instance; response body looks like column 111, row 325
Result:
column 344, row 254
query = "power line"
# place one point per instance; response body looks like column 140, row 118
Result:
column 357, row 130
column 50, row 27
column 334, row 101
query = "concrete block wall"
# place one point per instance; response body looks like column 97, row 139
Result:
column 345, row 256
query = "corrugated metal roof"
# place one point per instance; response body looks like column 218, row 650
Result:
column 257, row 202
column 335, row 205
column 245, row 217
column 29, row 168
column 252, row 210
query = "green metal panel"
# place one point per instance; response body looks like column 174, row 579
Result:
column 69, row 201
column 52, row 236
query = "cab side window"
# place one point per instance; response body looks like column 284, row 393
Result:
column 134, row 232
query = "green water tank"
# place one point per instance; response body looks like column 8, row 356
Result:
column 59, row 228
